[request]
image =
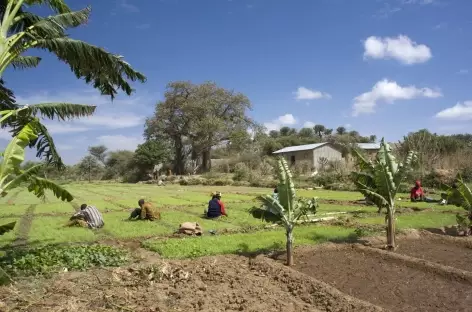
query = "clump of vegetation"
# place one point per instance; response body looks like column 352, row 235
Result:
column 49, row 259
column 461, row 196
column 287, row 207
column 380, row 180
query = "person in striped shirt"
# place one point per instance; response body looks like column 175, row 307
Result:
column 88, row 216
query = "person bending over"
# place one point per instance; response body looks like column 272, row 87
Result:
column 216, row 208
column 146, row 211
column 88, row 216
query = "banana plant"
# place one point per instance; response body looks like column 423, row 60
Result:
column 287, row 208
column 379, row 181
column 460, row 195
column 22, row 30
column 11, row 175
column 19, row 116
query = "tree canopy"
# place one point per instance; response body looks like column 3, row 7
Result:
column 194, row 118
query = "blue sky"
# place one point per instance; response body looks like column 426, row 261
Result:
column 383, row 67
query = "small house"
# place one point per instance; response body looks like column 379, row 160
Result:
column 315, row 153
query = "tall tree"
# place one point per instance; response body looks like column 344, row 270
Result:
column 306, row 133
column 99, row 152
column 195, row 118
column 148, row 154
column 328, row 132
column 319, row 130
column 373, row 138
column 89, row 166
column 341, row 130
column 118, row 164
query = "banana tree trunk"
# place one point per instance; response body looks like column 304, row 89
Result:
column 391, row 229
column 289, row 235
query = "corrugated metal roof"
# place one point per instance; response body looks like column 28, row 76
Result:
column 369, row 146
column 307, row 147
column 297, row 148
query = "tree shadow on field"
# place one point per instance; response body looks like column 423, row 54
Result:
column 273, row 251
column 352, row 238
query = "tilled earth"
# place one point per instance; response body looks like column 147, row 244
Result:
column 223, row 283
column 329, row 277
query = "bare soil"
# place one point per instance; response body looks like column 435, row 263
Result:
column 443, row 251
column 224, row 283
column 329, row 277
column 383, row 281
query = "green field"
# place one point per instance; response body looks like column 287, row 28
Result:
column 41, row 223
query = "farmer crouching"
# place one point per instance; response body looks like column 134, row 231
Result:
column 146, row 211
column 216, row 208
column 88, row 216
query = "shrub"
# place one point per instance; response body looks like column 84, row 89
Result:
column 241, row 172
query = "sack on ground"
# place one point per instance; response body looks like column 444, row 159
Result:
column 190, row 228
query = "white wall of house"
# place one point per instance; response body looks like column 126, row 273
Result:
column 326, row 151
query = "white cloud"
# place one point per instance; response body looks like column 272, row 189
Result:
column 281, row 121
column 347, row 126
column 463, row 72
column 400, row 48
column 303, row 93
column 127, row 6
column 120, row 142
column 308, row 124
column 389, row 92
column 113, row 121
column 460, row 111
column 63, row 128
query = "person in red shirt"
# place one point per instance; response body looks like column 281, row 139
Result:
column 417, row 193
column 216, row 208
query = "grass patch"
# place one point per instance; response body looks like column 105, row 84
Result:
column 117, row 227
column 420, row 220
column 50, row 230
column 244, row 242
column 60, row 207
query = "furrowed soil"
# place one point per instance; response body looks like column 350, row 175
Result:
column 454, row 252
column 384, row 282
column 222, row 283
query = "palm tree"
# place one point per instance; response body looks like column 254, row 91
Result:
column 21, row 30
column 380, row 180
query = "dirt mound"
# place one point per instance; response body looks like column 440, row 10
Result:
column 224, row 283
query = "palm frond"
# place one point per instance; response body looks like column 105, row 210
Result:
column 23, row 62
column 466, row 194
column 271, row 202
column 5, row 228
column 7, row 98
column 364, row 164
column 38, row 187
column 61, row 111
column 104, row 70
column 55, row 26
column 44, row 142
column 14, row 153
column 22, row 177
column 58, row 6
